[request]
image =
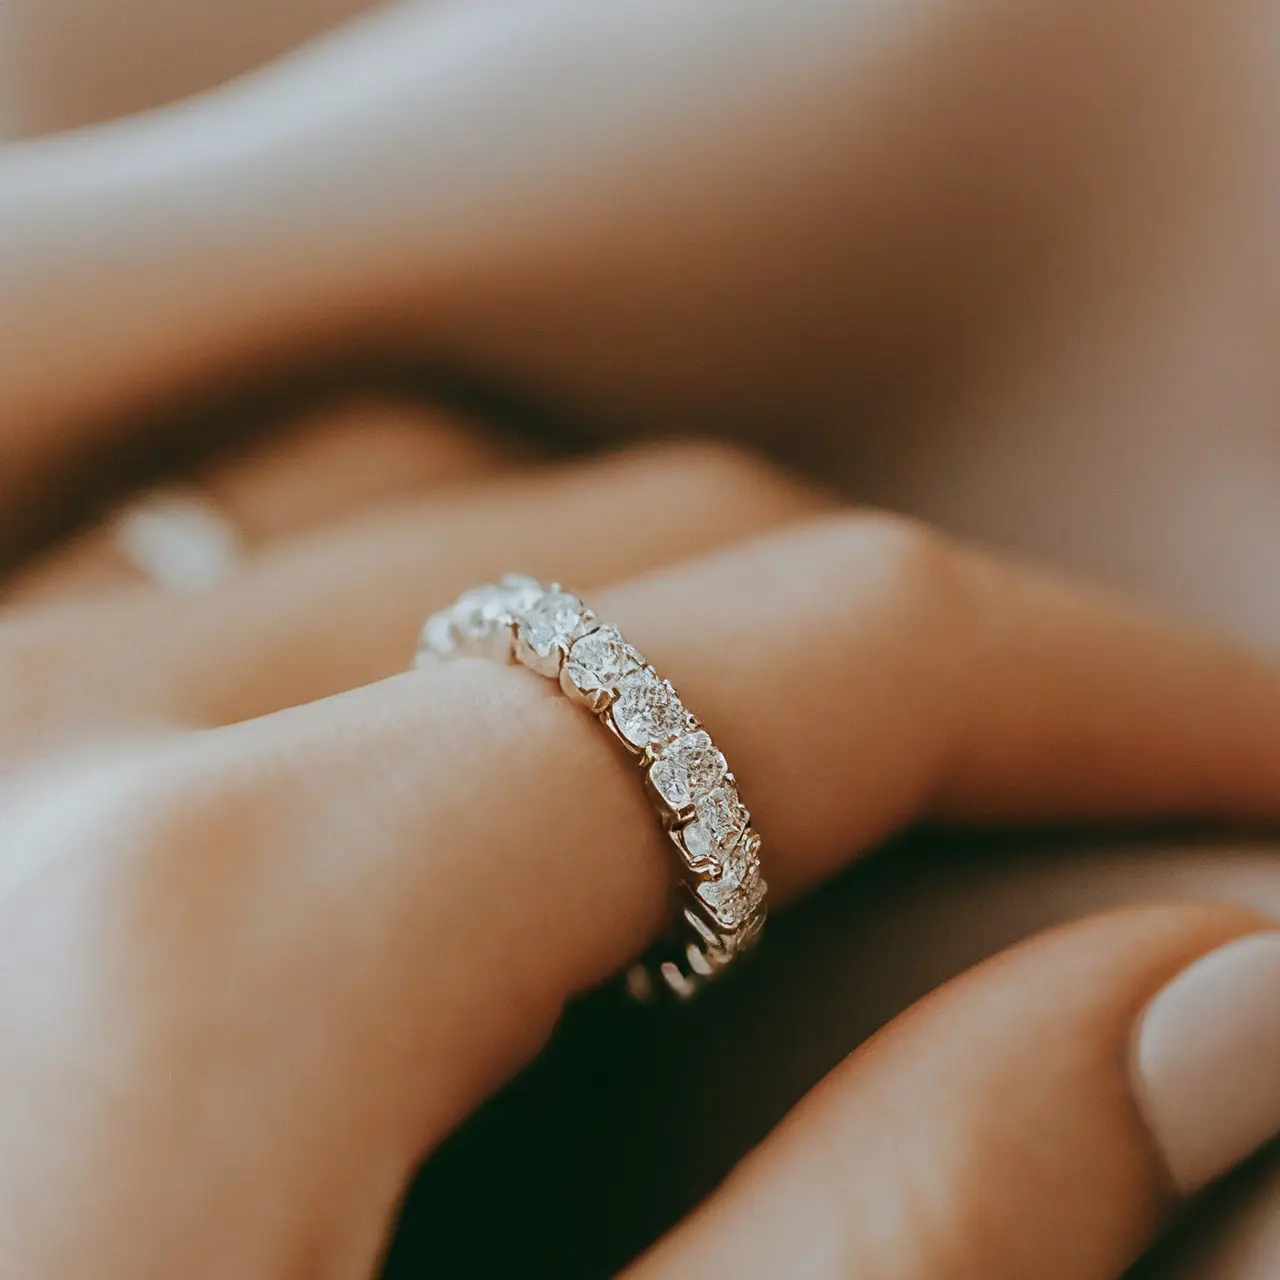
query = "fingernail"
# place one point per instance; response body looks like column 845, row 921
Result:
column 1207, row 1061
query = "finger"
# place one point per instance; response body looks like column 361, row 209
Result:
column 332, row 464
column 858, row 672
column 344, row 607
column 347, row 219
column 1026, row 1120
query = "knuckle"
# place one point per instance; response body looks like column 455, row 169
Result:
column 123, row 864
column 720, row 467
column 723, row 474
column 386, row 439
column 108, row 800
column 400, row 432
column 102, row 893
column 918, row 568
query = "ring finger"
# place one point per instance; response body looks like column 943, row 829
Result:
column 466, row 821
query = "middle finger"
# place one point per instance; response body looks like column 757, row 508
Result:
column 332, row 464
column 342, row 608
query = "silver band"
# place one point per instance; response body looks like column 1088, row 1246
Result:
column 177, row 540
column 721, row 906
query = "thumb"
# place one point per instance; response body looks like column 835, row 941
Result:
column 1037, row 1117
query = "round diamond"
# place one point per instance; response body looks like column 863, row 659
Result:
column 551, row 620
column 599, row 659
column 477, row 614
column 689, row 768
column 721, row 819
column 733, row 899
column 647, row 712
column 437, row 635
column 521, row 592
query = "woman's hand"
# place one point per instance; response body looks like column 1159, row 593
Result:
column 262, row 947
column 763, row 218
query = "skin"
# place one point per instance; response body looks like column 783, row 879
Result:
column 584, row 302
column 183, row 855
column 1139, row 528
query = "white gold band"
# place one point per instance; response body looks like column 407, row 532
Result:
column 551, row 631
column 177, row 540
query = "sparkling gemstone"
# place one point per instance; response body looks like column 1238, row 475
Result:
column 478, row 613
column 734, row 898
column 721, row 820
column 599, row 659
column 437, row 635
column 688, row 769
column 521, row 592
column 554, row 618
column 747, row 853
column 647, row 711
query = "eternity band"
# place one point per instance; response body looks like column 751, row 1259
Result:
column 721, row 894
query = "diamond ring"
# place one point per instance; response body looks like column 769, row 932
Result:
column 549, row 630
column 178, row 540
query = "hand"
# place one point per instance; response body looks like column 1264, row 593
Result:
column 360, row 194
column 293, row 939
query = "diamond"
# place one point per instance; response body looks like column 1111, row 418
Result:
column 747, row 854
column 437, row 634
column 688, row 769
column 521, row 592
column 599, row 659
column 475, row 620
column 721, row 819
column 553, row 619
column 733, row 898
column 478, row 614
column 648, row 711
